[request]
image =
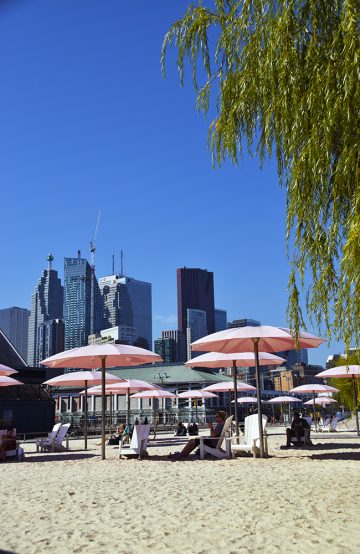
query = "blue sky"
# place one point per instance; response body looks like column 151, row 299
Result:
column 87, row 123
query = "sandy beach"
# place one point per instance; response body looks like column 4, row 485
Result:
column 296, row 501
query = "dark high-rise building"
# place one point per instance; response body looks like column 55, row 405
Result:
column 180, row 340
column 195, row 291
column 46, row 304
column 243, row 323
column 127, row 302
column 77, row 303
column 50, row 338
column 167, row 349
column 14, row 322
column 220, row 320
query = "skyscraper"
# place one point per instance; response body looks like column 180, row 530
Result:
column 50, row 338
column 196, row 328
column 195, row 290
column 220, row 320
column 46, row 304
column 243, row 323
column 127, row 302
column 180, row 340
column 77, row 302
column 14, row 322
column 167, row 349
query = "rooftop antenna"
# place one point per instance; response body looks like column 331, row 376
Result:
column 50, row 259
column 92, row 274
column 113, row 264
column 122, row 264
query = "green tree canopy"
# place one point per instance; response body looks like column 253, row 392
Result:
column 284, row 75
column 345, row 396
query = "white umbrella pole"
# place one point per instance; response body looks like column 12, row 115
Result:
column 235, row 398
column 111, row 411
column 103, row 395
column 356, row 407
column 314, row 410
column 86, row 416
column 258, row 393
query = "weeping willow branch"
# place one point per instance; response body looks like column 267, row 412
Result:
column 285, row 75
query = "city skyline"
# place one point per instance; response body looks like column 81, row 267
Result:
column 170, row 322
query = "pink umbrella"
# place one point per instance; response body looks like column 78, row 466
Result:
column 126, row 386
column 156, row 393
column 103, row 355
column 264, row 338
column 6, row 381
column 81, row 379
column 313, row 388
column 247, row 400
column 234, row 360
column 197, row 394
column 345, row 372
column 283, row 399
column 227, row 386
column 5, row 370
column 321, row 400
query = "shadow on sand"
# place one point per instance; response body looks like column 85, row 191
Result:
column 58, row 457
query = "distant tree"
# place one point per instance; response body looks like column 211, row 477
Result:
column 284, row 77
column 346, row 387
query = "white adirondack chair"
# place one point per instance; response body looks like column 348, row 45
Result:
column 216, row 451
column 56, row 444
column 138, row 442
column 251, row 437
column 51, row 436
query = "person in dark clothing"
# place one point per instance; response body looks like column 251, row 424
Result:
column 215, row 433
column 180, row 430
column 298, row 427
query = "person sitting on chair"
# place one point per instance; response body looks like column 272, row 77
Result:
column 215, row 433
column 180, row 430
column 8, row 442
column 193, row 428
column 298, row 427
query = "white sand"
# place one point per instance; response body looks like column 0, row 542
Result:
column 297, row 501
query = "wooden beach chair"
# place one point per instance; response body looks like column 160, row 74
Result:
column 55, row 444
column 251, row 437
column 216, row 452
column 138, row 442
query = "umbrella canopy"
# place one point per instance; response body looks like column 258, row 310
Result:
column 227, row 386
column 6, row 381
column 346, row 372
column 313, row 388
column 240, row 359
column 197, row 394
column 264, row 338
column 283, row 399
column 247, row 400
column 5, row 370
column 102, row 355
column 241, row 339
column 234, row 360
column 321, row 400
column 79, row 378
column 341, row 372
column 89, row 357
column 156, row 393
column 126, row 386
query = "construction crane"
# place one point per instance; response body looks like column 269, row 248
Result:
column 92, row 277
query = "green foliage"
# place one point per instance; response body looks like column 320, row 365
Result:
column 346, row 386
column 285, row 75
